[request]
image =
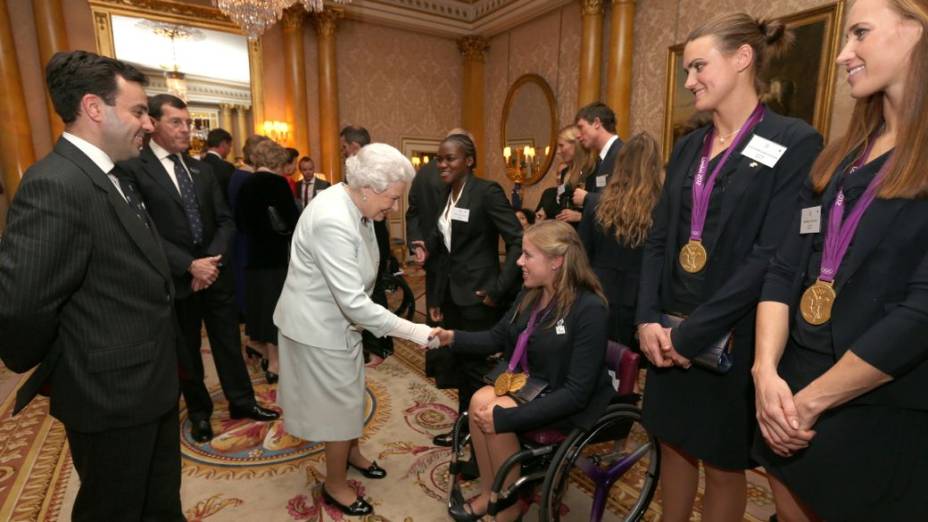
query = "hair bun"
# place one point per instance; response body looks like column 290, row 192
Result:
column 776, row 35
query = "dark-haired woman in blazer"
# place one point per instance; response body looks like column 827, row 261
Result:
column 469, row 285
column 615, row 226
column 842, row 337
column 705, row 260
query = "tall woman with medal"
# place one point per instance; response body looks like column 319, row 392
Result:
column 718, row 222
column 842, row 327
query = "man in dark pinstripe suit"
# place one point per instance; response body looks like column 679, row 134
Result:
column 86, row 294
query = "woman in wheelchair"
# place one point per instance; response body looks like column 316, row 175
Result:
column 556, row 333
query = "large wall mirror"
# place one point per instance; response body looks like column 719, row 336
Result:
column 528, row 130
column 192, row 51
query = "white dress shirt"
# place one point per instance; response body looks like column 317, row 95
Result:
column 167, row 163
column 97, row 156
column 444, row 220
column 605, row 149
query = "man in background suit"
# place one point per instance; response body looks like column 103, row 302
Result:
column 310, row 185
column 86, row 293
column 188, row 209
column 596, row 123
column 218, row 146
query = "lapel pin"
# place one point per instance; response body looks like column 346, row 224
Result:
column 753, row 164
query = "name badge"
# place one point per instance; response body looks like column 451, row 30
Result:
column 560, row 190
column 811, row 221
column 600, row 181
column 559, row 328
column 460, row 214
column 763, row 150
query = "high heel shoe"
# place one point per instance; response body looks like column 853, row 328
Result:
column 464, row 512
column 372, row 472
column 357, row 508
column 269, row 376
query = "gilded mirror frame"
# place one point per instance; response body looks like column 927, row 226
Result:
column 552, row 108
column 202, row 16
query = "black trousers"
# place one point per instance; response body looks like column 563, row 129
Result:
column 469, row 368
column 129, row 474
column 214, row 306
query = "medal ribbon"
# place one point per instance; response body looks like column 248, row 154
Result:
column 520, row 355
column 840, row 231
column 702, row 187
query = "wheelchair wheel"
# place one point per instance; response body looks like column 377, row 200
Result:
column 608, row 473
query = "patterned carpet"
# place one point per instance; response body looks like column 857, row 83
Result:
column 256, row 472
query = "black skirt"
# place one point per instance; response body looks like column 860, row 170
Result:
column 865, row 463
column 262, row 290
column 706, row 415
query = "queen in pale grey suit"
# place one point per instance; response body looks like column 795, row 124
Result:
column 324, row 306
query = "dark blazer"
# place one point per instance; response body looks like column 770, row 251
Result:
column 167, row 211
column 572, row 363
column 881, row 309
column 616, row 264
column 318, row 186
column 267, row 248
column 604, row 166
column 223, row 171
column 425, row 203
column 473, row 262
column 86, row 294
column 756, row 206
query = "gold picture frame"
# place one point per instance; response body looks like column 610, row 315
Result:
column 202, row 16
column 791, row 77
column 551, row 109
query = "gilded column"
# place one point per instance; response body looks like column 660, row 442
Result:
column 591, row 51
column 330, row 155
column 16, row 152
column 619, row 69
column 52, row 37
column 256, row 68
column 225, row 117
column 295, row 77
column 473, row 50
column 240, row 133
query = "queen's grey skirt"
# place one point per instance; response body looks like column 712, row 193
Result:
column 321, row 391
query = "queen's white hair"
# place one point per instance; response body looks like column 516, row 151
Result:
column 377, row 166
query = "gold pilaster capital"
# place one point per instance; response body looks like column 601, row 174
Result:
column 592, row 7
column 326, row 20
column 293, row 17
column 473, row 48
column 623, row 2
column 226, row 106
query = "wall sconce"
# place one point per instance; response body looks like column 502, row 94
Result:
column 416, row 162
column 522, row 163
column 278, row 131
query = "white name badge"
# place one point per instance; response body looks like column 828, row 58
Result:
column 559, row 328
column 600, row 181
column 811, row 221
column 560, row 190
column 460, row 214
column 763, row 150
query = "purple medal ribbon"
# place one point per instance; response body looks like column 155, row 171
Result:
column 520, row 355
column 841, row 231
column 702, row 187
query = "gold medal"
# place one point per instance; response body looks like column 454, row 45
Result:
column 517, row 381
column 817, row 301
column 502, row 384
column 693, row 256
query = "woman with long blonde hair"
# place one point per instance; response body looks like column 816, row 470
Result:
column 615, row 225
column 577, row 163
column 562, row 312
column 840, row 368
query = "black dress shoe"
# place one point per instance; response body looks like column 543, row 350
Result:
column 357, row 508
column 253, row 412
column 269, row 376
column 445, row 439
column 372, row 472
column 201, row 431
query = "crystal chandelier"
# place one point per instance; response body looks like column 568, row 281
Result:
column 255, row 16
